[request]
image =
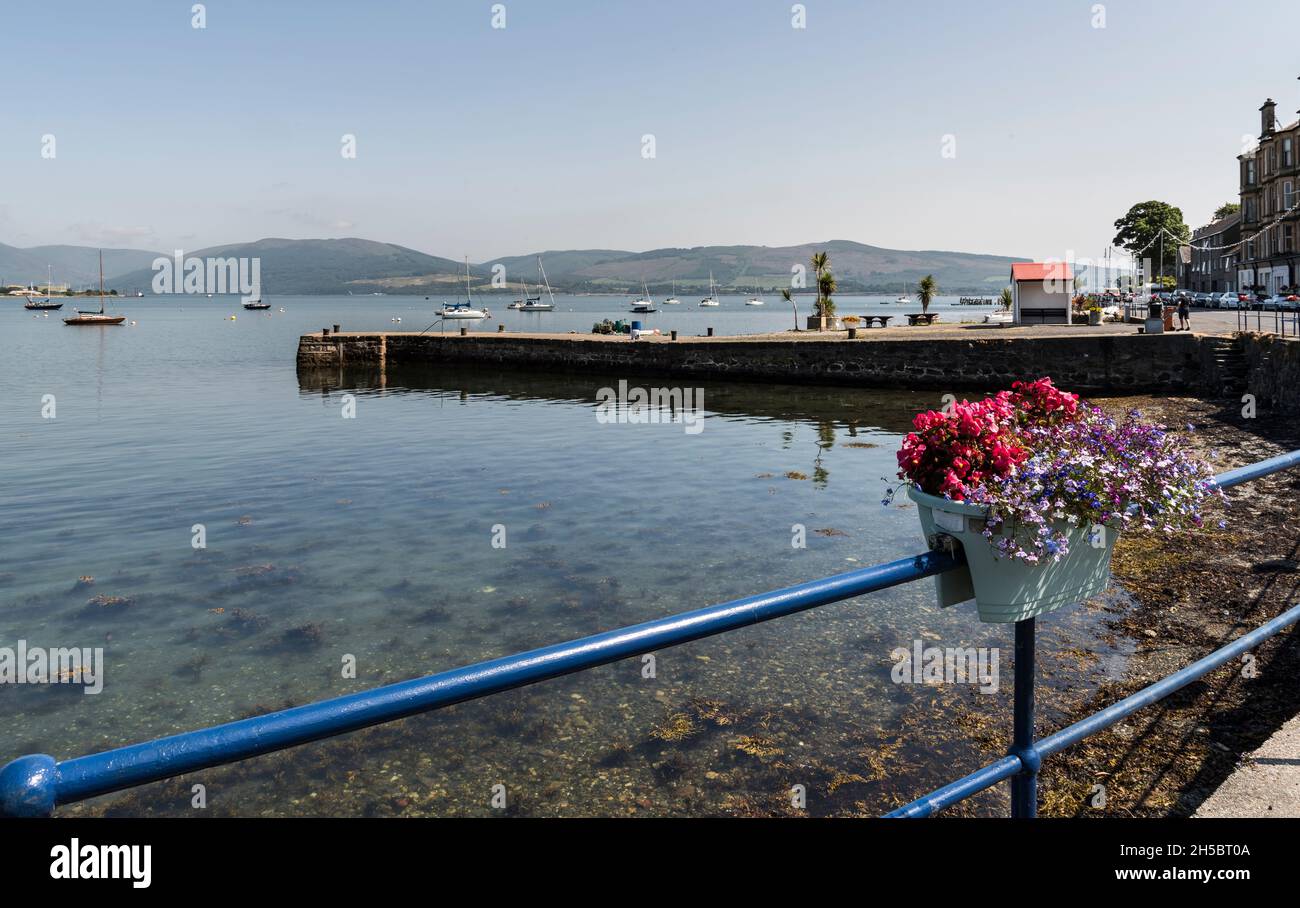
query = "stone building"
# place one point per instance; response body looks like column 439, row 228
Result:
column 1215, row 256
column 1270, row 207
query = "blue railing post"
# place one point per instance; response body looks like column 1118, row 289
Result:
column 1024, row 785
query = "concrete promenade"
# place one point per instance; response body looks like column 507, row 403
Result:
column 1267, row 784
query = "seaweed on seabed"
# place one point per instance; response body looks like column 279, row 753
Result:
column 245, row 622
column 192, row 668
column 305, row 636
column 106, row 606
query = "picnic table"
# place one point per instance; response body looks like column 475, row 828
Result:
column 872, row 319
column 922, row 318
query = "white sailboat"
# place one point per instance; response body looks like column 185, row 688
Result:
column 534, row 303
column 673, row 300
column 756, row 299
column 711, row 299
column 464, row 310
column 646, row 303
column 906, row 297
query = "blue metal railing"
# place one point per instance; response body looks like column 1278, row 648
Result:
column 34, row 785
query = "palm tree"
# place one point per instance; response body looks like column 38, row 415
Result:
column 1005, row 298
column 926, row 291
column 820, row 261
column 786, row 295
column 826, row 287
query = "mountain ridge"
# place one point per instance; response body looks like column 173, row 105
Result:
column 361, row 266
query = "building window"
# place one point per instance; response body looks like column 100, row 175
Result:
column 1288, row 152
column 1250, row 251
column 1288, row 240
column 1250, row 172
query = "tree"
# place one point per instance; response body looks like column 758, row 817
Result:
column 1140, row 231
column 826, row 287
column 789, row 298
column 1005, row 298
column 1226, row 209
column 926, row 291
column 820, row 261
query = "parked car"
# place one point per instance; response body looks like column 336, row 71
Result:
column 1202, row 300
column 1222, row 300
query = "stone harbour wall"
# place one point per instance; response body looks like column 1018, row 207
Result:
column 1111, row 363
column 1272, row 369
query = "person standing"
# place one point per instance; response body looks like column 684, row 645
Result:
column 1184, row 313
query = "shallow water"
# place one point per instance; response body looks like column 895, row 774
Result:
column 371, row 537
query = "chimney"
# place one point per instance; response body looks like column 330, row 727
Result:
column 1267, row 117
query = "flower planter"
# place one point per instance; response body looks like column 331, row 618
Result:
column 1009, row 589
column 1094, row 318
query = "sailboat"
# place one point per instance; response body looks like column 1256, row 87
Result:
column 905, row 298
column 466, row 309
column 673, row 300
column 711, row 299
column 645, row 303
column 756, row 299
column 96, row 318
column 46, row 303
column 255, row 304
column 534, row 303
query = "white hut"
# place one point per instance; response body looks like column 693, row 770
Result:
column 1041, row 293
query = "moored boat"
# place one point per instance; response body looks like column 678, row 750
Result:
column 100, row 317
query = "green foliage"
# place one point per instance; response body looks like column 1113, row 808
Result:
column 820, row 262
column 1139, row 232
column 1005, row 298
column 826, row 288
column 1226, row 209
column 926, row 291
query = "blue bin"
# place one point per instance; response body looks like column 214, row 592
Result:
column 636, row 326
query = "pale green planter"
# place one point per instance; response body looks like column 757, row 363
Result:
column 1007, row 589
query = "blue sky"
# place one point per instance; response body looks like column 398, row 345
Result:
column 489, row 142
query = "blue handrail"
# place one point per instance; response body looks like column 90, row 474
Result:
column 34, row 785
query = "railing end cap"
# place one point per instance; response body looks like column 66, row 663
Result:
column 28, row 786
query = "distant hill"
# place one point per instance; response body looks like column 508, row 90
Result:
column 308, row 267
column 857, row 268
column 75, row 265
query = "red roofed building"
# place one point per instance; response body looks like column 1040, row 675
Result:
column 1041, row 292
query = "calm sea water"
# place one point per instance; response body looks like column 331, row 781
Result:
column 370, row 539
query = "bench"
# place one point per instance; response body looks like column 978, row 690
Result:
column 1044, row 316
column 872, row 319
column 922, row 318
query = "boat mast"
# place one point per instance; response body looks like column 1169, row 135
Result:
column 468, row 296
column 545, row 281
column 101, row 282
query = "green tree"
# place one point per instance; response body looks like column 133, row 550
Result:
column 820, row 261
column 1226, row 209
column 1140, row 230
column 926, row 291
column 789, row 298
column 825, row 288
column 1005, row 298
